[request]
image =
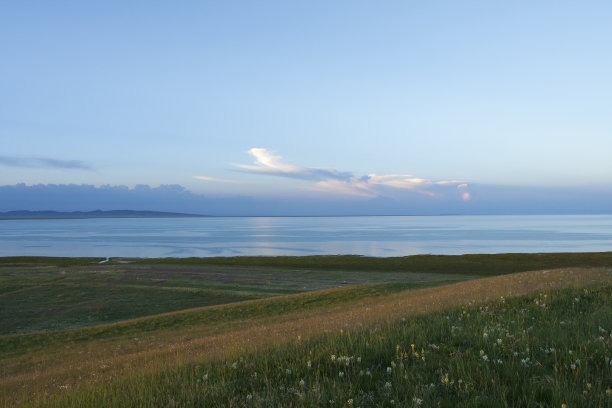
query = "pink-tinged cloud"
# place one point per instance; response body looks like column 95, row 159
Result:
column 344, row 183
column 352, row 187
column 405, row 181
column 215, row 179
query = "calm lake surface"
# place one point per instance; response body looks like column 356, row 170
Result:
column 371, row 236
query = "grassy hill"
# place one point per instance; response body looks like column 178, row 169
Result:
column 551, row 348
column 308, row 337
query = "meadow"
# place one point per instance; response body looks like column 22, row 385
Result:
column 266, row 332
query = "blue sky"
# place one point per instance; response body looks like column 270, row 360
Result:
column 416, row 102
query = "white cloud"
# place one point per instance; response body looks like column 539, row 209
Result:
column 336, row 182
column 405, row 181
column 268, row 163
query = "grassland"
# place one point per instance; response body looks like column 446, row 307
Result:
column 548, row 349
column 38, row 297
column 471, row 264
column 281, row 335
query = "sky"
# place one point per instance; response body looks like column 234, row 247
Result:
column 302, row 108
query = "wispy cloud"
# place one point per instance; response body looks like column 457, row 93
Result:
column 268, row 163
column 43, row 162
column 337, row 182
column 215, row 179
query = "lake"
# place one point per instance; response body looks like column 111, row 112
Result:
column 371, row 236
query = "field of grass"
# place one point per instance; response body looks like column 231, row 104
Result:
column 550, row 348
column 42, row 293
column 52, row 297
column 471, row 264
column 285, row 336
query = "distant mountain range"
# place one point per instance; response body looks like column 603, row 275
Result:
column 21, row 215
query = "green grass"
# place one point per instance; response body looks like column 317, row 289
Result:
column 57, row 298
column 46, row 293
column 66, row 306
column 14, row 261
column 22, row 344
column 481, row 264
column 546, row 349
column 52, row 344
column 488, row 265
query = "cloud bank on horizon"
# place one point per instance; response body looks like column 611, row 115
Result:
column 345, row 183
column 176, row 198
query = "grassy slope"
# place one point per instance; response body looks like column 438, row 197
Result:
column 65, row 306
column 206, row 317
column 45, row 293
column 131, row 351
column 55, row 298
column 546, row 349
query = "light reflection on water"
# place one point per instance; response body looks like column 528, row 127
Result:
column 371, row 236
